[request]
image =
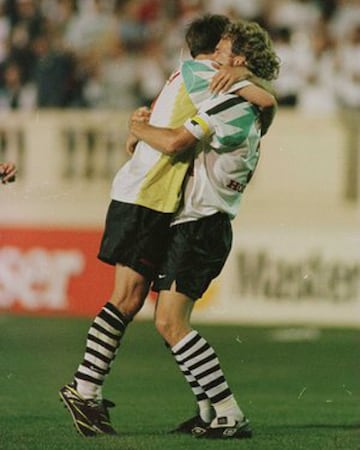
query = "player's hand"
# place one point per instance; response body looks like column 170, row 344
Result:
column 130, row 144
column 227, row 76
column 7, row 172
column 141, row 114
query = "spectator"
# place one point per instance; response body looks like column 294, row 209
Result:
column 298, row 15
column 4, row 33
column 152, row 72
column 346, row 17
column 54, row 75
column 83, row 33
column 15, row 94
column 246, row 9
column 90, row 28
column 294, row 64
column 132, row 31
column 113, row 80
column 317, row 94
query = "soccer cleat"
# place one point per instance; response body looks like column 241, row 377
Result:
column 90, row 417
column 225, row 428
column 192, row 426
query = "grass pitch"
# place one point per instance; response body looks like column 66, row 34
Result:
column 298, row 392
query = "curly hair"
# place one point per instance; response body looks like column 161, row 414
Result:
column 252, row 41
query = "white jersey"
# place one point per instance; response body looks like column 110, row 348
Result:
column 226, row 160
column 153, row 179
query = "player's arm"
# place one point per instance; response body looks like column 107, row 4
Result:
column 167, row 140
column 7, row 172
column 259, row 93
column 264, row 100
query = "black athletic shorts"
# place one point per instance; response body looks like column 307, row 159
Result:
column 135, row 236
column 196, row 255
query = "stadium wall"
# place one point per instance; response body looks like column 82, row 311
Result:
column 295, row 257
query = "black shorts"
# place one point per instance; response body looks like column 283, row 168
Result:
column 135, row 237
column 196, row 255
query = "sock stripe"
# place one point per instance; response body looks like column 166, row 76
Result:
column 187, row 346
column 221, row 396
column 103, row 330
column 94, row 367
column 114, row 322
column 201, row 368
column 98, row 355
column 214, row 383
column 111, row 308
column 100, row 342
column 103, row 341
column 83, row 376
column 90, row 345
column 217, row 390
column 91, row 372
column 97, row 334
column 207, row 372
column 197, row 353
column 211, row 357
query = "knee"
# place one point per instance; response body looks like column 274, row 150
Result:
column 170, row 330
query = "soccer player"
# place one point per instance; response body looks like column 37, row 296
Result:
column 7, row 172
column 201, row 232
column 146, row 192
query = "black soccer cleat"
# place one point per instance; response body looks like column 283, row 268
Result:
column 192, row 426
column 225, row 428
column 90, row 418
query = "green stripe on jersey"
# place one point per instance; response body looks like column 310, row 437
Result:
column 196, row 76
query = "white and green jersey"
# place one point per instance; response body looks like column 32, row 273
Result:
column 153, row 179
column 230, row 131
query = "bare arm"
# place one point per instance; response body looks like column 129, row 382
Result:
column 265, row 100
column 257, row 96
column 166, row 140
column 260, row 93
column 227, row 76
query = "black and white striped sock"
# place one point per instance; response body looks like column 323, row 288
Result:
column 195, row 354
column 102, row 343
column 204, row 404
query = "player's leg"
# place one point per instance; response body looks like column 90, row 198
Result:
column 197, row 254
column 83, row 397
column 130, row 243
column 196, row 354
column 107, row 330
column 199, row 364
column 172, row 319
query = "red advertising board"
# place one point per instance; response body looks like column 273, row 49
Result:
column 52, row 271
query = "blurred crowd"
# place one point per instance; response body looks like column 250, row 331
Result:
column 118, row 53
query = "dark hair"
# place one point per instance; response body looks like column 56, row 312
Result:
column 204, row 33
column 252, row 41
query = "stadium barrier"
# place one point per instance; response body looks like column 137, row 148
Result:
column 295, row 257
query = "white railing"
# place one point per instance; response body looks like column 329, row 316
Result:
column 68, row 159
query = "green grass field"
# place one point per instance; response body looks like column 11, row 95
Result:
column 297, row 394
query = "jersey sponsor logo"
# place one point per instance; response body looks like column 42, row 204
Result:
column 236, row 186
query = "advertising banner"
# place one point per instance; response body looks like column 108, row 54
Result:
column 52, row 271
column 270, row 277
